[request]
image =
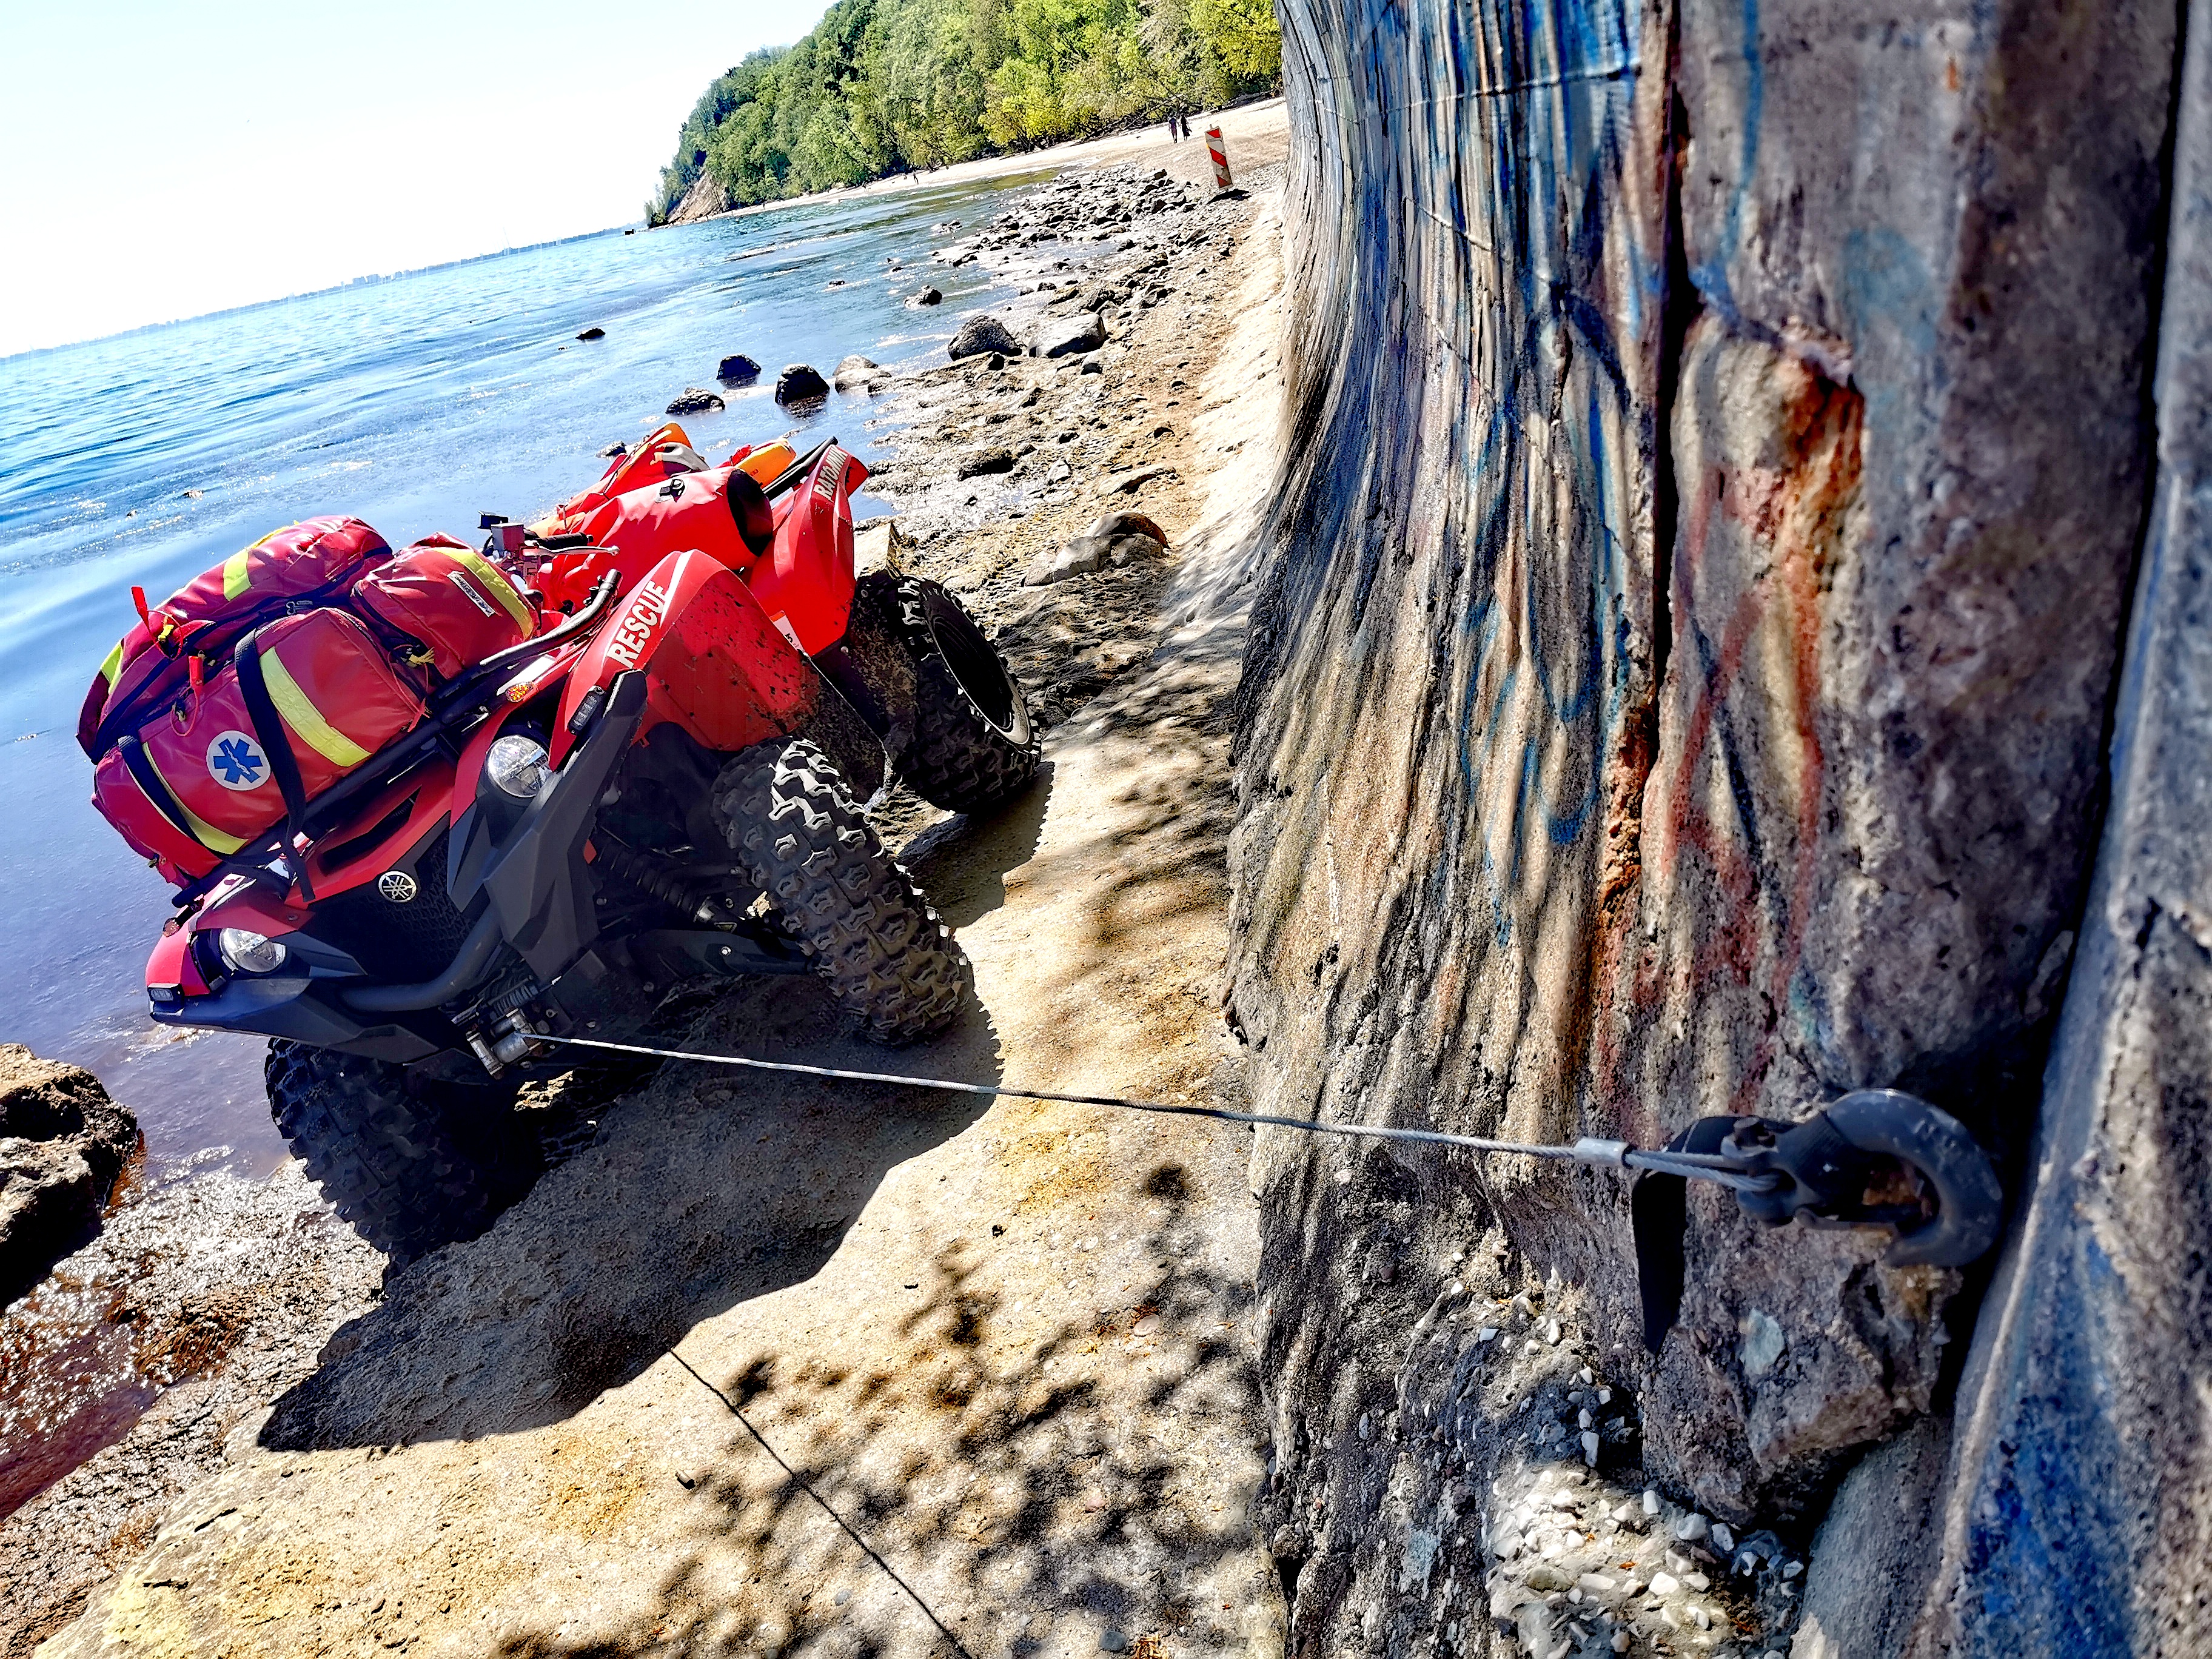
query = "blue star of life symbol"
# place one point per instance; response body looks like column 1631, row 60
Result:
column 235, row 761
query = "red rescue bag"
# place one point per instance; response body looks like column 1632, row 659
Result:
column 294, row 568
column 721, row 512
column 207, row 776
column 451, row 606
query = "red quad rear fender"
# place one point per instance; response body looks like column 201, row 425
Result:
column 715, row 663
column 805, row 583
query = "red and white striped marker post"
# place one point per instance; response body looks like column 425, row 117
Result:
column 1215, row 147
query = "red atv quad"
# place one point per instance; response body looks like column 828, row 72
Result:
column 405, row 857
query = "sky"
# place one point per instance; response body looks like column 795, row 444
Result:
column 165, row 160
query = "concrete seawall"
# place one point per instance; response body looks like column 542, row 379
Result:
column 1727, row 437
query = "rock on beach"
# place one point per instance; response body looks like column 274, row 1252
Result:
column 857, row 372
column 737, row 370
column 1114, row 539
column 799, row 382
column 996, row 459
column 1060, row 337
column 982, row 333
column 695, row 400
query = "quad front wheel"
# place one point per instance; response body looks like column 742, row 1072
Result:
column 889, row 961
column 412, row 1163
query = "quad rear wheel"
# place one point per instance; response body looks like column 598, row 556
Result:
column 890, row 962
column 967, row 742
column 412, row 1163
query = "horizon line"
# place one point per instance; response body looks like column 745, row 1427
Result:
column 364, row 278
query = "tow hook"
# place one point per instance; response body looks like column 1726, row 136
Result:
column 1878, row 1157
column 507, row 1041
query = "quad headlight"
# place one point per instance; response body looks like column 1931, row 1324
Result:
column 517, row 765
column 245, row 952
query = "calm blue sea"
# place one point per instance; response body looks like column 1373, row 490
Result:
column 415, row 403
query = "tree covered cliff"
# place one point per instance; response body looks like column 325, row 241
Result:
column 884, row 86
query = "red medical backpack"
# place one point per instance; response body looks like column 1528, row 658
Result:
column 446, row 604
column 204, row 777
column 294, row 568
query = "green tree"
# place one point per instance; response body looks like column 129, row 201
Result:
column 882, row 86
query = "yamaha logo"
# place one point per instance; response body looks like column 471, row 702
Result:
column 396, row 886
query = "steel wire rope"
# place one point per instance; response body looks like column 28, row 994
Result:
column 1590, row 1150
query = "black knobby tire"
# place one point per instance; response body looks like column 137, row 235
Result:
column 889, row 962
column 411, row 1163
column 969, row 744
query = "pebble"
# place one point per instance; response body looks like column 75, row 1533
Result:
column 1586, row 1376
column 1488, row 1334
column 1665, row 1584
column 1792, row 1569
column 1723, row 1537
column 841, row 1597
column 1621, row 1641
column 1651, row 1501
column 1589, row 1446
column 1594, row 1583
column 1112, row 1642
column 1551, row 1331
column 1697, row 1581
column 1583, row 1419
column 1692, row 1527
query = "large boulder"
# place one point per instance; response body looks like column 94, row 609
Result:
column 736, row 370
column 929, row 296
column 983, row 333
column 1062, row 337
column 63, row 1142
column 799, row 382
column 693, row 400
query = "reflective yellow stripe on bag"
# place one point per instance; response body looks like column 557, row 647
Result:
column 304, row 718
column 496, row 585
column 206, row 834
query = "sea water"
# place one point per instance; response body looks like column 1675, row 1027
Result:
column 415, row 402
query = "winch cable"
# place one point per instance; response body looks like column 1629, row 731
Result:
column 1615, row 1154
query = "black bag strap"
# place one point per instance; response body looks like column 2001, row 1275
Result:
column 140, row 765
column 269, row 730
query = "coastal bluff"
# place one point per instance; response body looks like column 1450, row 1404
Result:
column 1732, row 635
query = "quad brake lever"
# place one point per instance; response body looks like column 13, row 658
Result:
column 1878, row 1158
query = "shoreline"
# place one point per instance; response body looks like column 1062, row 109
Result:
column 1243, row 126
